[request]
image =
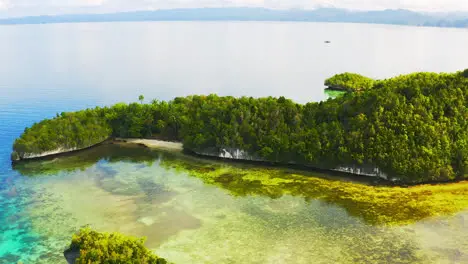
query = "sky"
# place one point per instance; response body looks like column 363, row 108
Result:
column 10, row 8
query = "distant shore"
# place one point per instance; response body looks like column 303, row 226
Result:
column 327, row 15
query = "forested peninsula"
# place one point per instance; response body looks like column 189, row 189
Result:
column 411, row 128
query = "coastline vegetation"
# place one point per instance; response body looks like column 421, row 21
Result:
column 375, row 205
column 111, row 248
column 350, row 82
column 412, row 127
column 67, row 131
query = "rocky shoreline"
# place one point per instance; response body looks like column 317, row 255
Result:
column 368, row 172
column 15, row 157
column 221, row 153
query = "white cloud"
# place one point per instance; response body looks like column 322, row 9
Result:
column 4, row 4
column 37, row 7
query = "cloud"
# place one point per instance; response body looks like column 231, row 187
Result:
column 94, row 2
column 38, row 7
column 4, row 4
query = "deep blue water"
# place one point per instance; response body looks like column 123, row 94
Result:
column 47, row 69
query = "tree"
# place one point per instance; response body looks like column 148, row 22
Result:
column 141, row 98
column 349, row 82
column 89, row 246
column 465, row 73
column 411, row 127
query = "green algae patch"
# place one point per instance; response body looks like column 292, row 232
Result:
column 203, row 211
column 389, row 205
column 377, row 205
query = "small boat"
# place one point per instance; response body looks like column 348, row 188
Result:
column 327, row 41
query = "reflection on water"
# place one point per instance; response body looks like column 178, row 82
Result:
column 200, row 211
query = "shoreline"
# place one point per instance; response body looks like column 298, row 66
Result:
column 152, row 143
column 341, row 89
column 55, row 153
column 176, row 146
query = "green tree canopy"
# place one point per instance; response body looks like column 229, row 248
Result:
column 465, row 73
column 413, row 128
column 349, row 82
column 111, row 248
column 67, row 131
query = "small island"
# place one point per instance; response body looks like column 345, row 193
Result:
column 410, row 129
column 349, row 82
column 91, row 247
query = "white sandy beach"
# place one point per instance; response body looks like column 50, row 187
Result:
column 154, row 143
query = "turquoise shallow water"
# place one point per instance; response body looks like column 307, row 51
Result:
column 200, row 211
column 48, row 69
column 16, row 236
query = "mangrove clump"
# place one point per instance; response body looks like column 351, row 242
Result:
column 89, row 246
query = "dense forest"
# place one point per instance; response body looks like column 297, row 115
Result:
column 413, row 127
column 67, row 131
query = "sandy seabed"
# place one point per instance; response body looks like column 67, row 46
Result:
column 199, row 211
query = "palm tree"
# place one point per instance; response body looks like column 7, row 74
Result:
column 141, row 98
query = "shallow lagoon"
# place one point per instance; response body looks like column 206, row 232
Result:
column 194, row 210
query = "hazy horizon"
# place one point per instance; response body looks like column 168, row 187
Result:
column 18, row 8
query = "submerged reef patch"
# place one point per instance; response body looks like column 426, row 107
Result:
column 374, row 204
column 378, row 205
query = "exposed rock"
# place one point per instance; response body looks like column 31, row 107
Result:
column 230, row 153
column 239, row 154
column 25, row 155
column 71, row 255
column 17, row 156
column 363, row 170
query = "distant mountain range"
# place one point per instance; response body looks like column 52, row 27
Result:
column 394, row 17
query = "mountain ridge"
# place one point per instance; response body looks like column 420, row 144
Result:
column 388, row 16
